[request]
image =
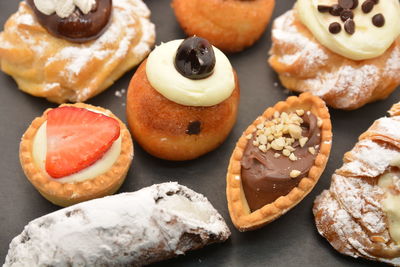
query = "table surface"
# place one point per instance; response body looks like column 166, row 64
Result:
column 291, row 240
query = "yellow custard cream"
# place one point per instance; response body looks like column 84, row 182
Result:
column 391, row 202
column 164, row 78
column 39, row 151
column 368, row 41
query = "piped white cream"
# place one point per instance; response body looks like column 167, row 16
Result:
column 63, row 8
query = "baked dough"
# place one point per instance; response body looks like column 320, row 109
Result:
column 350, row 215
column 66, row 194
column 242, row 217
column 230, row 25
column 131, row 229
column 304, row 65
column 61, row 71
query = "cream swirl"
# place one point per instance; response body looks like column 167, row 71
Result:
column 39, row 150
column 64, row 8
column 367, row 42
column 164, row 78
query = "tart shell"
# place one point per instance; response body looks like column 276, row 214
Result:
column 66, row 194
column 242, row 217
column 160, row 125
column 228, row 25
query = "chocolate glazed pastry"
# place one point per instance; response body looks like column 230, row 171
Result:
column 78, row 27
column 266, row 177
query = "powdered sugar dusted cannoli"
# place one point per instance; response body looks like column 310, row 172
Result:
column 149, row 225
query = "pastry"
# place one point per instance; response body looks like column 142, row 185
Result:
column 76, row 152
column 70, row 51
column 131, row 229
column 182, row 102
column 278, row 160
column 230, row 25
column 359, row 214
column 348, row 64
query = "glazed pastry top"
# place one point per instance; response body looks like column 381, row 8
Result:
column 63, row 8
column 164, row 78
column 361, row 30
column 39, row 150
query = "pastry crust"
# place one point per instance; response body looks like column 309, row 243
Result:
column 350, row 214
column 160, row 125
column 66, row 194
column 240, row 213
column 304, row 65
column 229, row 25
column 131, row 229
column 61, row 71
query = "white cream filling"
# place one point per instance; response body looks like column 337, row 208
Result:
column 164, row 78
column 63, row 8
column 39, row 151
column 390, row 183
column 367, row 42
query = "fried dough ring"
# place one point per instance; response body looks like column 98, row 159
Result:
column 229, row 25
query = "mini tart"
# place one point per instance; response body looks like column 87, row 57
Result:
column 162, row 126
column 229, row 25
column 241, row 215
column 66, row 194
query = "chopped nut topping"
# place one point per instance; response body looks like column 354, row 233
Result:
column 281, row 132
column 249, row 136
column 294, row 173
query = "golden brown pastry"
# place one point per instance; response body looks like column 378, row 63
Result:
column 60, row 70
column 334, row 66
column 174, row 117
column 230, row 25
column 278, row 160
column 77, row 152
column 359, row 214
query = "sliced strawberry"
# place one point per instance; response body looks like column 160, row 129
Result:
column 77, row 138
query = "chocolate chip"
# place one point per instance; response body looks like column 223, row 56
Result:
column 323, row 9
column 335, row 28
column 335, row 10
column 346, row 4
column 378, row 20
column 375, row 1
column 194, row 127
column 349, row 26
column 346, row 14
column 355, row 4
column 367, row 6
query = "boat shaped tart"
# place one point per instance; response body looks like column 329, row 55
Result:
column 359, row 213
column 249, row 215
column 68, row 192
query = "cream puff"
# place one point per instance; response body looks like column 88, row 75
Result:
column 229, row 25
column 74, row 153
column 346, row 52
column 182, row 102
column 70, row 51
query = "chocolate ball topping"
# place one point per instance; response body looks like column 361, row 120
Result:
column 349, row 26
column 355, row 4
column 378, row 20
column 346, row 4
column 367, row 6
column 195, row 58
column 78, row 27
column 336, row 10
column 346, row 14
column 323, row 8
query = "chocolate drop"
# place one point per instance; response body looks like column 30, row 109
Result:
column 378, row 20
column 346, row 4
column 346, row 14
column 367, row 6
column 336, row 10
column 335, row 28
column 349, row 26
column 323, row 8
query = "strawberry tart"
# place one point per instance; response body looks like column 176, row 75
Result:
column 77, row 152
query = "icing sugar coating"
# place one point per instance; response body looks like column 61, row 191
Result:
column 164, row 78
column 130, row 229
column 367, row 41
column 63, row 8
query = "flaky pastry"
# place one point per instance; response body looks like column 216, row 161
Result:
column 62, row 71
column 241, row 214
column 358, row 215
column 304, row 65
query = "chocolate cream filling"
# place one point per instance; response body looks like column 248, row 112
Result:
column 266, row 177
column 78, row 27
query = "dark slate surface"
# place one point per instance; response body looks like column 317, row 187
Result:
column 290, row 241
